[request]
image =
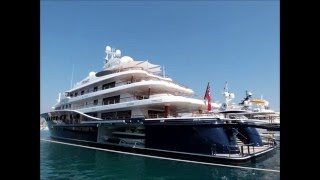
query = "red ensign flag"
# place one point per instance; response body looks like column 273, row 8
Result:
column 207, row 97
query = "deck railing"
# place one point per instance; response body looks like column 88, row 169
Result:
column 244, row 149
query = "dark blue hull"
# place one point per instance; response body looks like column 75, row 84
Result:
column 197, row 138
column 208, row 140
column 174, row 154
column 202, row 137
column 79, row 132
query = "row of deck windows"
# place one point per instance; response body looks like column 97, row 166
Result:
column 109, row 85
column 105, row 101
column 108, row 115
column 104, row 86
column 63, row 117
column 116, row 115
column 66, row 106
column 111, row 100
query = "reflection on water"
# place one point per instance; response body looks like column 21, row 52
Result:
column 69, row 162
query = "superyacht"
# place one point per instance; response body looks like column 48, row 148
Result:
column 132, row 106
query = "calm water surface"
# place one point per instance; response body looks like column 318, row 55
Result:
column 58, row 161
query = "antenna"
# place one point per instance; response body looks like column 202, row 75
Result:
column 164, row 73
column 226, row 87
column 113, row 52
column 147, row 64
column 72, row 76
column 59, row 97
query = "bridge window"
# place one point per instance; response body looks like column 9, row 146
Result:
column 109, row 85
column 95, row 102
column 111, row 100
column 155, row 114
column 116, row 115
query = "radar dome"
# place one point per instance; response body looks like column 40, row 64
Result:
column 232, row 95
column 108, row 49
column 118, row 53
column 126, row 59
column 92, row 73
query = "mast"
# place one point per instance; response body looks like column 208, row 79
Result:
column 71, row 76
column 163, row 73
column 226, row 87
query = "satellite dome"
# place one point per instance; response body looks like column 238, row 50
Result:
column 92, row 73
column 232, row 95
column 118, row 53
column 108, row 49
column 126, row 59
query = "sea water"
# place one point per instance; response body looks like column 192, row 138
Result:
column 59, row 161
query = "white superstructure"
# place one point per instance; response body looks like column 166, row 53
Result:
column 127, row 89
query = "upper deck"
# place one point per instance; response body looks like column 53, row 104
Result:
column 122, row 80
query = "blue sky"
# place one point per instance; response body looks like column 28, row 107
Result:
column 196, row 42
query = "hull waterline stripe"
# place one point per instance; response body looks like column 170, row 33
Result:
column 196, row 162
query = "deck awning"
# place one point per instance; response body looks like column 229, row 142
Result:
column 145, row 65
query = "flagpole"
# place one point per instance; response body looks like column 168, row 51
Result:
column 207, row 97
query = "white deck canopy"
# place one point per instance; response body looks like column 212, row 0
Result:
column 127, row 62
